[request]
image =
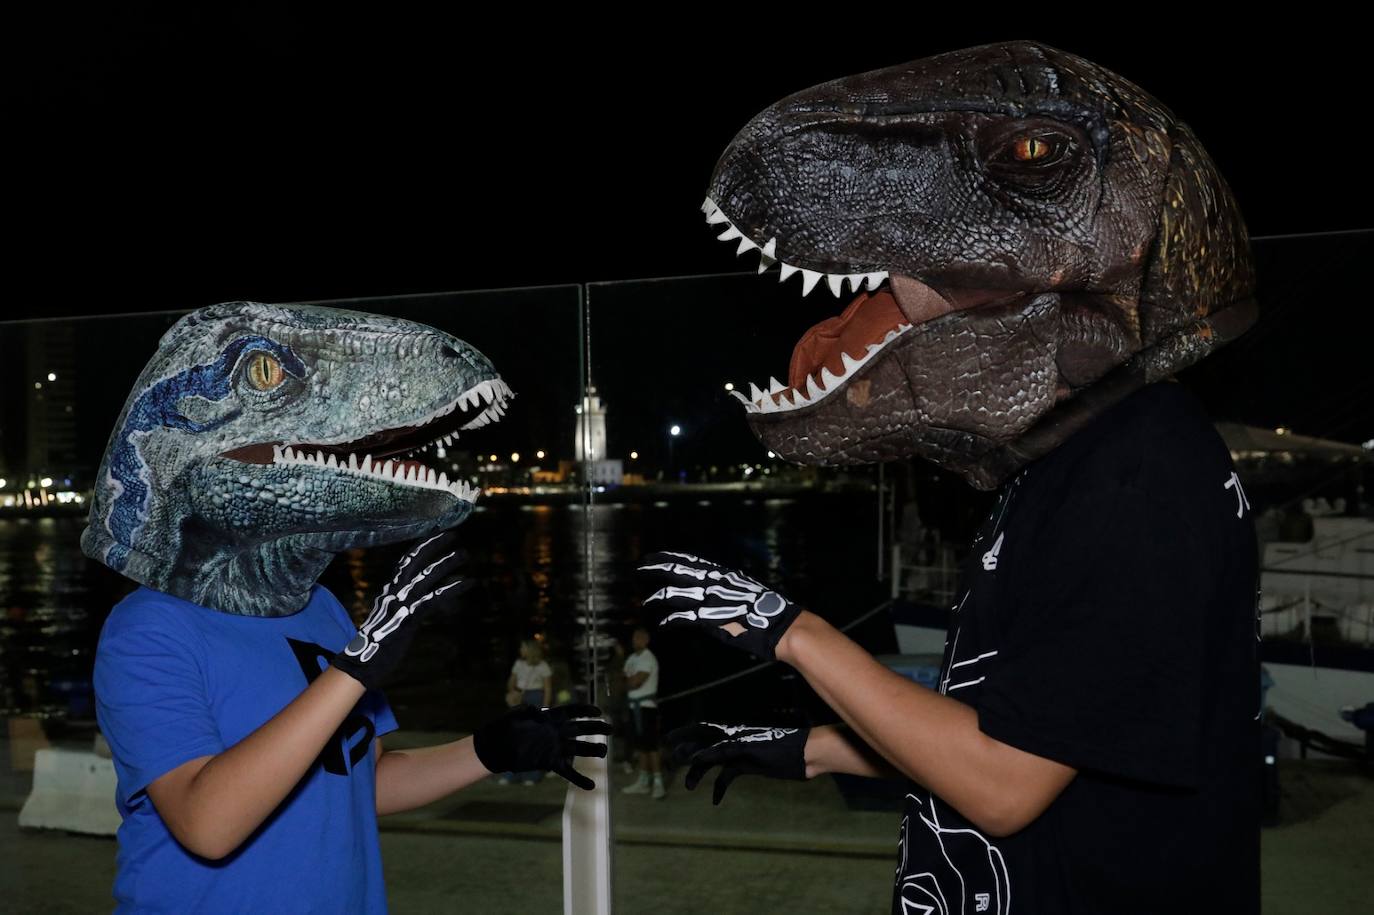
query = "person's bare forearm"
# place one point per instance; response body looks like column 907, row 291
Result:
column 407, row 779
column 235, row 791
column 835, row 748
column 929, row 737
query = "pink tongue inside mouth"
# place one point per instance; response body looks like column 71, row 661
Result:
column 867, row 320
column 918, row 301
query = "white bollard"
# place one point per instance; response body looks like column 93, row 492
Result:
column 74, row 791
column 587, row 839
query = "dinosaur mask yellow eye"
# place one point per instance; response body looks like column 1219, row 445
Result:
column 1030, row 149
column 265, row 372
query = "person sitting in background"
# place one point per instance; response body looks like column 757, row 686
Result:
column 641, row 683
column 531, row 683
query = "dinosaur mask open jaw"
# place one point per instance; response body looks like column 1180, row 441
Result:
column 834, row 351
column 383, row 454
column 830, row 353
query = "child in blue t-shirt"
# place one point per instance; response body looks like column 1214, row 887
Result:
column 250, row 776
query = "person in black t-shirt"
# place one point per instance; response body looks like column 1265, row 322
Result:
column 1093, row 745
column 1051, row 242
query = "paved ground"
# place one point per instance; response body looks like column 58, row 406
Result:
column 771, row 847
column 1318, row 860
column 60, row 875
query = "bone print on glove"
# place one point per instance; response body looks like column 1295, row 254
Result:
column 419, row 583
column 724, row 602
column 739, row 750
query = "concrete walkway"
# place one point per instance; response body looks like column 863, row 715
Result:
column 770, row 847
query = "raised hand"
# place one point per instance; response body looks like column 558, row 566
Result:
column 421, row 581
column 527, row 738
column 724, row 602
column 739, row 750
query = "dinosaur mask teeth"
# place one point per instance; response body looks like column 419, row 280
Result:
column 495, row 393
column 812, row 381
column 833, row 350
column 484, row 402
column 408, row 473
column 835, row 282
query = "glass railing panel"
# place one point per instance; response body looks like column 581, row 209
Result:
column 684, row 473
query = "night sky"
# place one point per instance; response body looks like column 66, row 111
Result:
column 168, row 164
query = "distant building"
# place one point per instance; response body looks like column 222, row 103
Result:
column 50, row 388
column 545, row 476
column 591, row 428
column 590, row 447
column 605, row 473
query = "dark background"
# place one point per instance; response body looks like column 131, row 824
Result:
column 278, row 155
column 169, row 163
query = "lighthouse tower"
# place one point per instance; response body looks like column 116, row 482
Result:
column 591, row 428
column 590, row 447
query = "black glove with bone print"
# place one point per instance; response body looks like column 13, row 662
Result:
column 738, row 749
column 422, row 577
column 723, row 602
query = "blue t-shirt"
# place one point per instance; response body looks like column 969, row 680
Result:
column 175, row 681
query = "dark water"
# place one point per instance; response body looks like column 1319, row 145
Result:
column 530, row 562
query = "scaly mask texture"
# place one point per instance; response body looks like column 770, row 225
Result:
column 1034, row 235
column 261, row 440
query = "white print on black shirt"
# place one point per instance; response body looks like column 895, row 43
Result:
column 962, row 668
column 931, row 884
column 990, row 557
column 1242, row 503
column 982, row 886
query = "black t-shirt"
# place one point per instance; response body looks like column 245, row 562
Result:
column 1109, row 623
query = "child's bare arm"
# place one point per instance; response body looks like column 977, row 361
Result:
column 835, row 748
column 522, row 739
column 411, row 778
column 213, row 803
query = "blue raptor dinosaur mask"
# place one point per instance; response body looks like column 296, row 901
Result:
column 261, row 440
column 1028, row 237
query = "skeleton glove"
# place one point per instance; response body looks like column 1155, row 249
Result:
column 739, row 750
column 526, row 738
column 422, row 581
column 724, row 602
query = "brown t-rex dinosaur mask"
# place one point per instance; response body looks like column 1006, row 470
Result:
column 1036, row 235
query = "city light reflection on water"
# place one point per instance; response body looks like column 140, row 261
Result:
column 531, row 576
column 49, row 626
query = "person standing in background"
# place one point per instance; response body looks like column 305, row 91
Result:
column 641, row 684
column 531, row 680
column 618, row 708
